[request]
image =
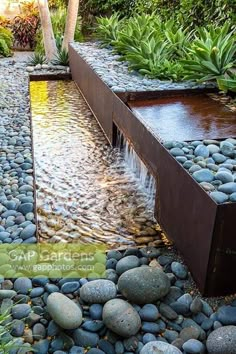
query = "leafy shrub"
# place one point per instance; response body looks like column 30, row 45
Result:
column 211, row 54
column 24, row 28
column 4, row 22
column 190, row 13
column 6, row 40
column 90, row 9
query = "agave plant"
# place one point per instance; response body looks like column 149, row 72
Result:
column 134, row 31
column 62, row 58
column 108, row 28
column 178, row 38
column 211, row 54
column 227, row 83
column 37, row 58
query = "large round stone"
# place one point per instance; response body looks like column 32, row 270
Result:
column 157, row 347
column 120, row 317
column 144, row 285
column 222, row 340
column 98, row 291
column 64, row 311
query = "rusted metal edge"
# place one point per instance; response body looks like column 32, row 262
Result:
column 146, row 95
column 50, row 77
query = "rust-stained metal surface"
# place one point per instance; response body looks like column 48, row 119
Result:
column 96, row 93
column 190, row 117
column 50, row 76
column 202, row 230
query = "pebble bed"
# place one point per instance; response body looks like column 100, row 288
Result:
column 117, row 75
column 211, row 163
column 140, row 307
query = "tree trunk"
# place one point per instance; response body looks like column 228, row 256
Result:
column 71, row 20
column 48, row 35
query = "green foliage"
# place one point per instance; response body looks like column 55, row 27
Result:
column 108, row 29
column 190, row 13
column 148, row 45
column 37, row 58
column 62, row 58
column 6, row 40
column 178, row 38
column 227, row 83
column 211, row 54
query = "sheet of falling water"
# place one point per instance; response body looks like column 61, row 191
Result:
column 84, row 192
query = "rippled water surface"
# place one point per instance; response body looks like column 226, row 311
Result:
column 84, row 190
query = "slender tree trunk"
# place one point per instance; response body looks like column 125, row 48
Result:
column 48, row 35
column 71, row 20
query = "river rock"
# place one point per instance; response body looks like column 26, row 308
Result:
column 158, row 347
column 64, row 311
column 98, row 291
column 23, row 285
column 202, row 150
column 227, row 315
column 120, row 317
column 127, row 263
column 219, row 197
column 204, row 175
column 144, row 285
column 194, row 346
column 224, row 176
column 5, row 294
column 222, row 341
column 85, row 339
column 228, row 188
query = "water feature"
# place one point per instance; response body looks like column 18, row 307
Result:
column 85, row 192
column 185, row 118
column 136, row 165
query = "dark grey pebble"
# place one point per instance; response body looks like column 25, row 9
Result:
column 93, row 326
column 149, row 312
column 179, row 270
column 41, row 347
column 227, row 315
column 85, row 339
column 127, row 263
column 106, row 346
column 17, row 328
column 194, row 346
column 150, row 327
column 21, row 311
column 70, row 287
column 95, row 311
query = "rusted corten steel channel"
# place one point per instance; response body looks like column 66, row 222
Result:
column 202, row 230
